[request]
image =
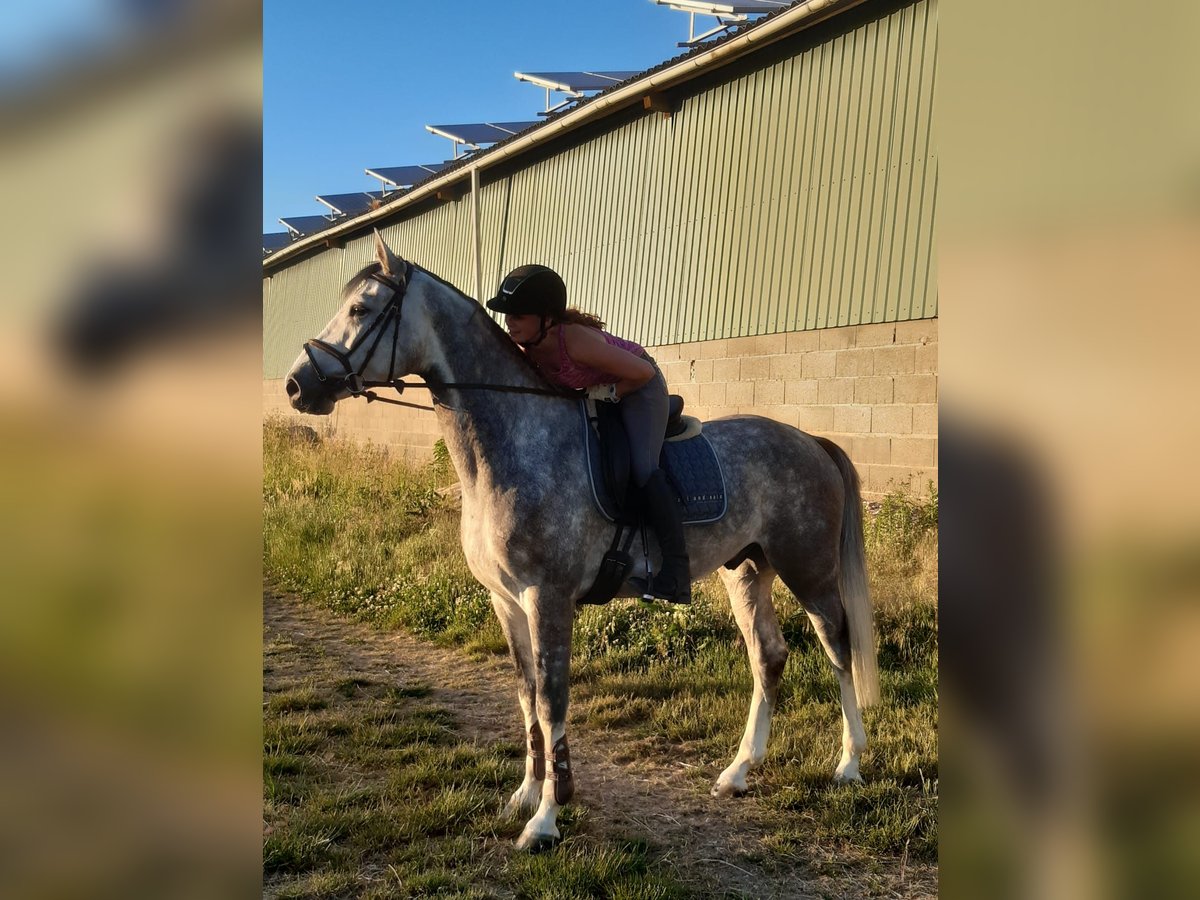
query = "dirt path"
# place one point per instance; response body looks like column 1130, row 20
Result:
column 710, row 842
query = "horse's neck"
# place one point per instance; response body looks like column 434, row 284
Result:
column 496, row 440
column 466, row 346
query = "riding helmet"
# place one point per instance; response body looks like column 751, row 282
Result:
column 530, row 290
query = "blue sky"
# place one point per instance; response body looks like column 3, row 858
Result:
column 351, row 85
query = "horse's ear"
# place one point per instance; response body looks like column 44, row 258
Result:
column 390, row 263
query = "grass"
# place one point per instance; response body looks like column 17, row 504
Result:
column 369, row 791
column 367, row 535
column 355, row 530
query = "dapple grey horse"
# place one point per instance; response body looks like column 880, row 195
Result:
column 532, row 536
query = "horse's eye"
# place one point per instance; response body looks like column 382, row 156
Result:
column 358, row 310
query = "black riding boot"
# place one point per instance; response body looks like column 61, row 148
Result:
column 674, row 582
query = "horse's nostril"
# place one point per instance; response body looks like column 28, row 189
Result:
column 292, row 388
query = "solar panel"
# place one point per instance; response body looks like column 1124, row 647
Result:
column 405, row 176
column 574, row 82
column 302, row 225
column 741, row 8
column 276, row 240
column 350, row 204
column 726, row 14
column 474, row 134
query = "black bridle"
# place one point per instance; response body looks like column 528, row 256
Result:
column 352, row 379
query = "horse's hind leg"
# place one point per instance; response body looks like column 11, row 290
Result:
column 749, row 587
column 823, row 603
column 515, row 625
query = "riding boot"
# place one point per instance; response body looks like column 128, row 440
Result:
column 674, row 582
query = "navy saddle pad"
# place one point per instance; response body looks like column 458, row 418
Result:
column 692, row 469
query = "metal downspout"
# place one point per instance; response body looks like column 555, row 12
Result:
column 478, row 241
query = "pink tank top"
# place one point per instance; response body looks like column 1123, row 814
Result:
column 572, row 375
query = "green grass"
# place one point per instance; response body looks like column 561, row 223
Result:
column 354, row 530
column 372, row 792
column 367, row 535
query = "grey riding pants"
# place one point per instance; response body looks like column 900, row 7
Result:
column 644, row 414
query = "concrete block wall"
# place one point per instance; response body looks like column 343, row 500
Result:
column 407, row 433
column 871, row 388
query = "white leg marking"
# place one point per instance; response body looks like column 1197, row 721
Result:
column 515, row 625
column 732, row 782
column 854, row 736
column 541, row 831
column 750, row 597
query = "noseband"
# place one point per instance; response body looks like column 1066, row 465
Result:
column 352, row 380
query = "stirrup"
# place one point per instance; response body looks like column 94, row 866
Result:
column 658, row 593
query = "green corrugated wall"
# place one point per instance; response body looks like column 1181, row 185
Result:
column 797, row 196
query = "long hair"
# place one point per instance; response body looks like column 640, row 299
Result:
column 574, row 316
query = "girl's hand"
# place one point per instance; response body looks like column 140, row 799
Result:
column 603, row 393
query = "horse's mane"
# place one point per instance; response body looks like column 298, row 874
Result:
column 501, row 336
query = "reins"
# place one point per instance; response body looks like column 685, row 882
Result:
column 399, row 386
column 353, row 381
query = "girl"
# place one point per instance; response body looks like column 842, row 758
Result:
column 571, row 349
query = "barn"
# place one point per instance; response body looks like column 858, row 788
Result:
column 758, row 212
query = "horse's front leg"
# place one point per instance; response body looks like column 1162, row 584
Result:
column 515, row 625
column 550, row 621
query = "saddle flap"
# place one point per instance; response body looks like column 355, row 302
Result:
column 691, row 465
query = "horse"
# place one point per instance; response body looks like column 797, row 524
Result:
column 534, row 539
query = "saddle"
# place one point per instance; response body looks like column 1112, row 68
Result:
column 691, row 466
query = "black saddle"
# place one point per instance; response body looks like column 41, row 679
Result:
column 616, row 498
column 692, row 470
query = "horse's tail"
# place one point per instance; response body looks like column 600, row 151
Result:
column 852, row 581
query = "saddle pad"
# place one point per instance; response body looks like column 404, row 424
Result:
column 692, row 469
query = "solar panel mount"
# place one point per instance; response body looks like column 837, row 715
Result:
column 275, row 240
column 727, row 14
column 305, row 225
column 399, row 177
column 351, row 204
column 573, row 85
column 476, row 134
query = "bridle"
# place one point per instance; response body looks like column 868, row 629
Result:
column 352, row 379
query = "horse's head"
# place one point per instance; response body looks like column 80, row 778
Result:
column 363, row 344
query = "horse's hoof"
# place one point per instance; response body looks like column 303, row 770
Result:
column 537, row 843
column 847, row 778
column 723, row 790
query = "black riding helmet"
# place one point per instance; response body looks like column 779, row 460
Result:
column 531, row 290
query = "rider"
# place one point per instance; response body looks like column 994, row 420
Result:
column 572, row 350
